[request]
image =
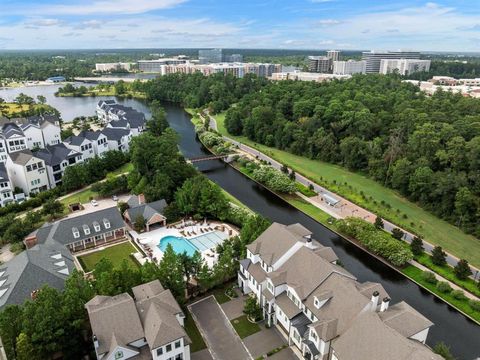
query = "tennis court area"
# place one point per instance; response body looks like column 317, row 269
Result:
column 208, row 241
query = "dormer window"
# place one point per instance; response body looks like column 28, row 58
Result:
column 316, row 302
column 76, row 233
column 106, row 223
column 96, row 226
column 86, row 229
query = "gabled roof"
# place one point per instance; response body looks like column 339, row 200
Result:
column 11, row 130
column 90, row 135
column 122, row 124
column 115, row 134
column 32, row 269
column 368, row 338
column 56, row 154
column 405, row 319
column 147, row 210
column 75, row 140
column 274, row 242
column 21, row 157
column 62, row 231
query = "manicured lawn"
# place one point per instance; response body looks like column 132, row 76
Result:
column 309, row 209
column 447, row 272
column 416, row 274
column 116, row 254
column 376, row 198
column 243, row 327
column 234, row 200
column 191, row 328
column 81, row 197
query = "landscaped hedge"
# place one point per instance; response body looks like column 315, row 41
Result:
column 377, row 241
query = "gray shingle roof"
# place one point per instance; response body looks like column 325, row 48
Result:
column 10, row 130
column 75, row 140
column 90, row 135
column 147, row 210
column 21, row 157
column 32, row 269
column 56, row 154
column 115, row 134
column 62, row 231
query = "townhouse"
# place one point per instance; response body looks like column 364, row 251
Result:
column 149, row 325
column 6, row 188
column 321, row 308
column 118, row 116
column 57, row 158
column 27, row 171
column 117, row 139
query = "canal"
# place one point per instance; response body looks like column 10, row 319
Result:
column 461, row 334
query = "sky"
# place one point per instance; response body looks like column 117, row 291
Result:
column 448, row 25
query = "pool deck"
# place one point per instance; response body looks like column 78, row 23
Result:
column 150, row 240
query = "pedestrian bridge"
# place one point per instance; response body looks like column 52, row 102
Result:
column 225, row 157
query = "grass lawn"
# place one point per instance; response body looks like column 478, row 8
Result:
column 192, row 331
column 81, row 197
column 416, row 274
column 126, row 168
column 243, row 327
column 447, row 272
column 116, row 254
column 376, row 198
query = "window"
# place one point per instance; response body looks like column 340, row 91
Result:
column 168, row 347
column 118, row 355
column 86, row 229
column 76, row 233
column 179, row 357
column 178, row 344
column 29, row 168
column 159, row 351
column 106, row 223
column 96, row 225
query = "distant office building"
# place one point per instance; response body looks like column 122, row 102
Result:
column 349, row 67
column 320, row 64
column 374, row 58
column 210, row 56
column 333, row 55
column 307, row 76
column 403, row 66
column 236, row 69
column 108, row 67
column 155, row 66
column 234, row 58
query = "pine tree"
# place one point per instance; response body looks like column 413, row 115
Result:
column 416, row 246
column 439, row 256
column 379, row 222
column 462, row 270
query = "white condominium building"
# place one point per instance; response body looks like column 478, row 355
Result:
column 403, row 66
column 349, row 67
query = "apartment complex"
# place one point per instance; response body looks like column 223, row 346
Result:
column 321, row 308
column 155, row 66
column 319, row 64
column 307, row 76
column 207, row 56
column 236, row 69
column 373, row 59
column 403, row 66
column 6, row 187
column 112, row 67
column 149, row 325
column 27, row 171
column 349, row 67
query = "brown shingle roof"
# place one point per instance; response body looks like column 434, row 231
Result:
column 287, row 305
column 405, row 319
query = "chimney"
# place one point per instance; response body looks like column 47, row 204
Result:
column 141, row 199
column 95, row 341
column 385, row 303
column 374, row 300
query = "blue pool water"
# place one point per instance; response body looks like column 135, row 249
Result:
column 179, row 244
column 200, row 243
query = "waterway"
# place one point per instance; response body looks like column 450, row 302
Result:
column 451, row 327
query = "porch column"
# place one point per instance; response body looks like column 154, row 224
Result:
column 84, row 246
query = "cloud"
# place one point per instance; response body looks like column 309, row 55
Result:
column 328, row 22
column 43, row 22
column 110, row 7
column 325, row 42
column 94, row 24
column 321, row 1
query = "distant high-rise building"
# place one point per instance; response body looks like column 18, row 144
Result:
column 349, row 67
column 234, row 58
column 210, row 56
column 374, row 58
column 403, row 66
column 320, row 64
column 333, row 55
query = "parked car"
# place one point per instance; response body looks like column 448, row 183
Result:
column 94, row 202
column 115, row 198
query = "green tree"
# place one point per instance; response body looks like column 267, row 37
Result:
column 120, row 87
column 11, row 319
column 140, row 223
column 41, row 99
column 158, row 123
column 443, row 350
column 416, row 246
column 462, row 270
column 379, row 222
column 397, row 233
column 252, row 309
column 171, row 273
column 439, row 256
column 25, row 349
column 53, row 207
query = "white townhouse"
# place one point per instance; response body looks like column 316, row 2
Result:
column 34, row 136
column 98, row 139
column 6, row 188
column 148, row 326
column 57, row 158
column 82, row 145
column 118, row 139
column 27, row 171
column 321, row 308
column 3, row 149
column 15, row 139
column 122, row 117
column 102, row 109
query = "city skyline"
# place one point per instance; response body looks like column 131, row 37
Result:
column 308, row 24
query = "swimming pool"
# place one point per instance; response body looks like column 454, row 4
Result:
column 200, row 243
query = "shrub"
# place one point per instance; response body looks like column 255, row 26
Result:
column 416, row 246
column 458, row 294
column 429, row 277
column 443, row 287
column 397, row 233
column 474, row 304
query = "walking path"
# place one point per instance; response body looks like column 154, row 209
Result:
column 343, row 208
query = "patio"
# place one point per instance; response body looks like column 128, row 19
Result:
column 187, row 229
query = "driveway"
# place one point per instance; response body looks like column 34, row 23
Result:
column 221, row 338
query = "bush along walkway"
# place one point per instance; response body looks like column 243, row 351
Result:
column 344, row 208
